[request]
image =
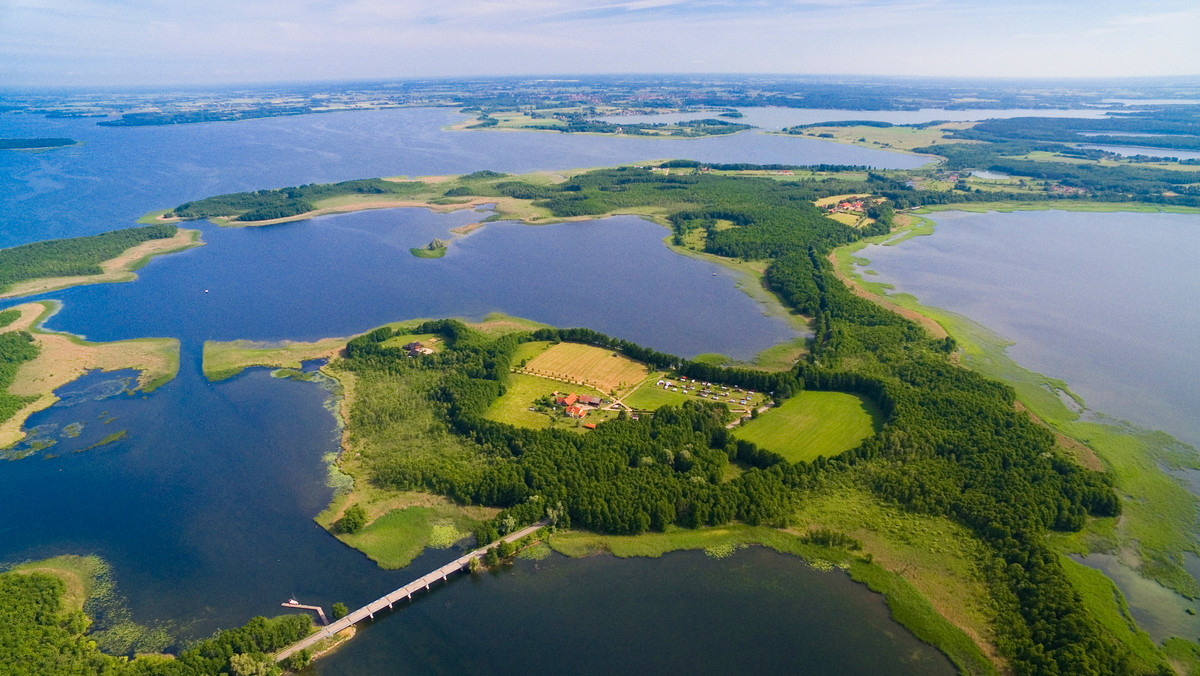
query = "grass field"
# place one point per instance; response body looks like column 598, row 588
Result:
column 396, row 538
column 813, row 424
column 224, row 360
column 897, row 137
column 523, row 390
column 599, row 368
column 649, row 396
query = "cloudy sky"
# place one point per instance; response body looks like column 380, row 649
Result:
column 133, row 42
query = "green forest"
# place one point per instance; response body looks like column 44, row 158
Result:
column 264, row 205
column 72, row 257
column 34, row 143
column 953, row 443
column 42, row 638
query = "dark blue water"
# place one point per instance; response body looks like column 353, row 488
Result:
column 344, row 274
column 121, row 173
column 755, row 612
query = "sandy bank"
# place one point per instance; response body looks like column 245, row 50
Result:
column 63, row 358
column 119, row 269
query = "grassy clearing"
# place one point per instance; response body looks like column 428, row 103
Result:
column 906, row 602
column 813, row 424
column 523, row 390
column 223, row 360
column 782, row 357
column 579, row 364
column 894, row 138
column 438, row 252
column 63, row 358
column 79, row 573
column 648, row 396
column 397, row 537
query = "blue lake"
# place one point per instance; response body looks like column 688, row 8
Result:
column 118, row 174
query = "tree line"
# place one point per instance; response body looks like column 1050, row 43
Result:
column 75, row 256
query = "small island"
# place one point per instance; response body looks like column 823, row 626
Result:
column 35, row 144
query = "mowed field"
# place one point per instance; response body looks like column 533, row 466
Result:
column 588, row 365
column 811, row 424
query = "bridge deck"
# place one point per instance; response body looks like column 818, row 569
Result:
column 403, row 593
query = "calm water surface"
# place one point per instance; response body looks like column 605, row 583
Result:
column 121, row 173
column 754, row 612
column 1100, row 300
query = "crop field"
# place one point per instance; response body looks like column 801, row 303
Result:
column 602, row 369
column 813, row 424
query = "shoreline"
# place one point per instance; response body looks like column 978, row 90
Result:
column 115, row 270
column 63, row 358
column 1155, row 531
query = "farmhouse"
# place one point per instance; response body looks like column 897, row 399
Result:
column 577, row 411
column 568, row 400
column 416, row 349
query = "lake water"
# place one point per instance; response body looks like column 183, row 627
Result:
column 121, row 173
column 1092, row 298
column 204, row 508
column 754, row 612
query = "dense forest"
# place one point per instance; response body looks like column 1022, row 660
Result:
column 264, row 205
column 16, row 348
column 75, row 256
column 1167, row 127
column 42, row 638
column 33, row 143
column 953, row 443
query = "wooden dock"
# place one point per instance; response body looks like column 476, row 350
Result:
column 402, row 594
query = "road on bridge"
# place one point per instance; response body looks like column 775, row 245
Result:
column 405, row 592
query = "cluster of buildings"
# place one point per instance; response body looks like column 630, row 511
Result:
column 577, row 405
column 708, row 390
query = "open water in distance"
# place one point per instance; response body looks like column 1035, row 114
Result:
column 118, row 174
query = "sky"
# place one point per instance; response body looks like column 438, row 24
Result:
column 155, row 42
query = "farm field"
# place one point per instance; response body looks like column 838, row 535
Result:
column 599, row 368
column 812, row 424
